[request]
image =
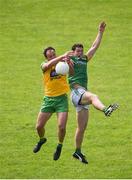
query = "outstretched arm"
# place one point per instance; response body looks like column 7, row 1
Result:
column 97, row 41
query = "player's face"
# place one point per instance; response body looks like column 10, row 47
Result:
column 78, row 51
column 50, row 54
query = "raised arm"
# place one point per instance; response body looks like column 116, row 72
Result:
column 97, row 41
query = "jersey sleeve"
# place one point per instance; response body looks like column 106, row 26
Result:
column 86, row 57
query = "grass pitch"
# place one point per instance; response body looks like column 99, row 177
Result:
column 26, row 27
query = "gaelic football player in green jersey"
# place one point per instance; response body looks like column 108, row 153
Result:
column 81, row 97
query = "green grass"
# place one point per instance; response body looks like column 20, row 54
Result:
column 26, row 27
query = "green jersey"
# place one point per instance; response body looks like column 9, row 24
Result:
column 80, row 72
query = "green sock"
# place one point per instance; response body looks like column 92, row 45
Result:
column 42, row 138
column 78, row 150
column 60, row 144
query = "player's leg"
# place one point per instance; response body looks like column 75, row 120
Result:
column 62, row 115
column 45, row 113
column 62, row 120
column 43, row 117
column 82, row 119
column 90, row 98
column 41, row 122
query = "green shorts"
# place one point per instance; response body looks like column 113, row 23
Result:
column 55, row 104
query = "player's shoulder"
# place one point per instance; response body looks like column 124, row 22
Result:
column 85, row 57
column 73, row 57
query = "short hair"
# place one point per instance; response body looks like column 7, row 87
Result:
column 46, row 49
column 77, row 46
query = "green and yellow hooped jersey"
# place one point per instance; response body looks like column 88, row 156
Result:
column 80, row 72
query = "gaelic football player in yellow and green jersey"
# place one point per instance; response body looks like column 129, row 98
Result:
column 55, row 99
column 80, row 94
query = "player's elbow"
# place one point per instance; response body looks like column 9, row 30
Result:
column 45, row 67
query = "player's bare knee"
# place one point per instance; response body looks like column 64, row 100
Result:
column 90, row 97
column 38, row 127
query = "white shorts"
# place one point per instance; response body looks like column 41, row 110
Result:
column 76, row 95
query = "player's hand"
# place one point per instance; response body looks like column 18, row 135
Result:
column 69, row 61
column 68, row 54
column 102, row 26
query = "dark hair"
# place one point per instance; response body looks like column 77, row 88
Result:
column 76, row 45
column 45, row 50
